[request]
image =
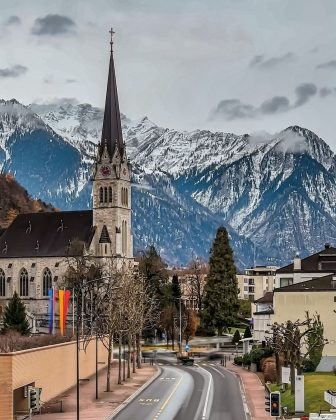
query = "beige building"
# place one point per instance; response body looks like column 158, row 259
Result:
column 316, row 296
column 255, row 282
column 35, row 249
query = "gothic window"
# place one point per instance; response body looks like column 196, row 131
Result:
column 23, row 282
column 110, row 195
column 47, row 281
column 126, row 196
column 124, row 237
column 2, row 283
column 105, row 194
column 101, row 195
column 122, row 196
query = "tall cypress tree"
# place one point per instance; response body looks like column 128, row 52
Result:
column 15, row 317
column 221, row 304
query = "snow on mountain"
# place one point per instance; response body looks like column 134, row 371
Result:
column 275, row 193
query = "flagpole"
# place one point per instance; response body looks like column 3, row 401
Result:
column 53, row 310
column 73, row 312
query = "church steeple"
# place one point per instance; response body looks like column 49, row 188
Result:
column 111, row 133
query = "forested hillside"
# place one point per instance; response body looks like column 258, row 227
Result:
column 14, row 199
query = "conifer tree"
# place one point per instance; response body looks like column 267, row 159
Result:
column 247, row 332
column 15, row 317
column 221, row 304
column 236, row 337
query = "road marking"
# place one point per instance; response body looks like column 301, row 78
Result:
column 168, row 399
column 207, row 395
column 217, row 370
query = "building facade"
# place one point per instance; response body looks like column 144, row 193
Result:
column 262, row 312
column 255, row 282
column 35, row 250
column 317, row 265
column 315, row 296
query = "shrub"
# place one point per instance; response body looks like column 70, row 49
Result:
column 247, row 332
column 236, row 337
column 246, row 359
column 238, row 360
column 205, row 331
column 308, row 365
column 269, row 369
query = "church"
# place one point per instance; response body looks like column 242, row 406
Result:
column 35, row 249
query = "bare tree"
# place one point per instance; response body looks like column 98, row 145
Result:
column 196, row 278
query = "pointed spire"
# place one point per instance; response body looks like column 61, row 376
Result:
column 112, row 134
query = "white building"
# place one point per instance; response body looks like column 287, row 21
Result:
column 255, row 282
column 262, row 316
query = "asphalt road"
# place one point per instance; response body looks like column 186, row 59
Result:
column 205, row 391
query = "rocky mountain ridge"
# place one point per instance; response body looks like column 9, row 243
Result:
column 275, row 193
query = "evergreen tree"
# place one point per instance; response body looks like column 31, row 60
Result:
column 247, row 332
column 15, row 317
column 236, row 337
column 221, row 304
column 155, row 273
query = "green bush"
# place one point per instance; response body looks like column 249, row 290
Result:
column 309, row 366
column 205, row 332
column 236, row 337
column 238, row 360
column 246, row 359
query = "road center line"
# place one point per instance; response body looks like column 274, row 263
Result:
column 207, row 394
column 170, row 395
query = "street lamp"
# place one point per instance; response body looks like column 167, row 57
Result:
column 80, row 289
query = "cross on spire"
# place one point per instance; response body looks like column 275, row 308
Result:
column 111, row 31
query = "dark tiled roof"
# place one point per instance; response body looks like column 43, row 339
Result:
column 267, row 298
column 46, row 234
column 323, row 261
column 2, row 231
column 265, row 312
column 315, row 285
column 104, row 237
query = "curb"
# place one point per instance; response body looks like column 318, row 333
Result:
column 134, row 395
column 242, row 389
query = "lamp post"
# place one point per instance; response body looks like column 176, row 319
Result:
column 80, row 319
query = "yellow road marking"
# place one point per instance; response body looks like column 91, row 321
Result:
column 168, row 399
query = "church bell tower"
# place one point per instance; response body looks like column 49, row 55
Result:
column 112, row 182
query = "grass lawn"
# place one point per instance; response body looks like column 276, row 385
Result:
column 315, row 384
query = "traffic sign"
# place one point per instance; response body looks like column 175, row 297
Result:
column 187, row 348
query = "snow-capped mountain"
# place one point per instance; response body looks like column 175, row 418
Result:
column 276, row 194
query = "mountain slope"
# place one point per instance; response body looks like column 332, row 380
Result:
column 275, row 193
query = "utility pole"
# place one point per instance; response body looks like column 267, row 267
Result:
column 180, row 325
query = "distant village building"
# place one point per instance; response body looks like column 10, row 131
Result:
column 317, row 265
column 262, row 312
column 35, row 248
column 255, row 282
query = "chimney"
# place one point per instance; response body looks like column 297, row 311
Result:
column 326, row 246
column 297, row 263
column 333, row 282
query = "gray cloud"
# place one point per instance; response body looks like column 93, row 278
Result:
column 13, row 20
column 231, row 109
column 304, row 92
column 70, row 81
column 328, row 65
column 53, row 25
column 14, row 71
column 326, row 91
column 275, row 105
column 260, row 62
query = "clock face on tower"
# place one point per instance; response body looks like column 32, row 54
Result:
column 105, row 170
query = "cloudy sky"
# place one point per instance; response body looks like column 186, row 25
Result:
column 232, row 65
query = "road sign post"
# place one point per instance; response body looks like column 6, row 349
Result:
column 187, row 348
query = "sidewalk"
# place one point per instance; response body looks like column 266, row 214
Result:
column 90, row 408
column 254, row 391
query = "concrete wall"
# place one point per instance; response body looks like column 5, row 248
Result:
column 52, row 368
column 292, row 306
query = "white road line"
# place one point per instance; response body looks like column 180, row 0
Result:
column 207, row 394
